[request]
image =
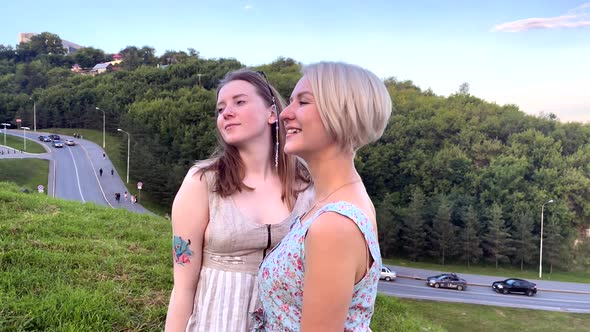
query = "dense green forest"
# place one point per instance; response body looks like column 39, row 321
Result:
column 453, row 179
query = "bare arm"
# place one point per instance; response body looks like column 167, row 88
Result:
column 190, row 215
column 335, row 258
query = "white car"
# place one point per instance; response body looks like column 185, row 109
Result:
column 387, row 274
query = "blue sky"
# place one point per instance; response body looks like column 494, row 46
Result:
column 535, row 54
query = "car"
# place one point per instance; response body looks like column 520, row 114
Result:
column 447, row 280
column 54, row 137
column 69, row 142
column 57, row 144
column 515, row 285
column 387, row 274
column 44, row 138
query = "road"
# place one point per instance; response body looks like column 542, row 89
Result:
column 551, row 295
column 74, row 172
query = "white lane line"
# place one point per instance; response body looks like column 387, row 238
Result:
column 54, row 175
column 95, row 175
column 492, row 293
column 54, row 168
column 77, row 176
column 498, row 304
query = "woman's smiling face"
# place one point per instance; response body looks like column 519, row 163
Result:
column 305, row 130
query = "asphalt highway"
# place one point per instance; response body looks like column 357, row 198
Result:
column 551, row 295
column 74, row 172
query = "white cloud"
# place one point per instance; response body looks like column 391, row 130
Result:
column 248, row 7
column 576, row 18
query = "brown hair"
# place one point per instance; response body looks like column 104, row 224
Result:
column 227, row 164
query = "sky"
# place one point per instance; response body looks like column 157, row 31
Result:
column 534, row 54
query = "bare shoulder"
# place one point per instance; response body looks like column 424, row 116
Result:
column 195, row 179
column 332, row 226
column 192, row 195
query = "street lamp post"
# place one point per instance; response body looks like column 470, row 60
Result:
column 34, row 114
column 128, row 149
column 5, row 125
column 541, row 246
column 25, row 137
column 103, row 127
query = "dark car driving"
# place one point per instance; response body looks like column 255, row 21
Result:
column 54, row 137
column 514, row 285
column 447, row 280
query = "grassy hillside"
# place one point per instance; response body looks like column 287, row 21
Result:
column 67, row 266
column 27, row 173
column 18, row 143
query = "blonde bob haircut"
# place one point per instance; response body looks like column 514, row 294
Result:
column 353, row 103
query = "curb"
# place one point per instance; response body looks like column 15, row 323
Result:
column 488, row 286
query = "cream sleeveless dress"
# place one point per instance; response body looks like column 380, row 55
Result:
column 233, row 248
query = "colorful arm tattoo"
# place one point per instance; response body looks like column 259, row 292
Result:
column 181, row 251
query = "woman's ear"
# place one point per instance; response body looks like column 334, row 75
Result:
column 273, row 114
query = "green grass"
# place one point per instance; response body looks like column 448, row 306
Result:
column 27, row 173
column 67, row 266
column 17, row 143
column 393, row 315
column 459, row 317
column 490, row 270
column 113, row 144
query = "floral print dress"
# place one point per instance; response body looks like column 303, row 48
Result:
column 280, row 277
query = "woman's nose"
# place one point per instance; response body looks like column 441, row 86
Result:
column 287, row 113
column 228, row 112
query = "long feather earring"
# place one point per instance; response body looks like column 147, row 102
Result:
column 276, row 138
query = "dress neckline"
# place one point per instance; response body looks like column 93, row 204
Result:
column 251, row 220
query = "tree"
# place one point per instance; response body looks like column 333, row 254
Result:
column 443, row 231
column 42, row 44
column 413, row 228
column 389, row 224
column 471, row 251
column 464, row 89
column 496, row 239
column 553, row 248
column 523, row 240
column 87, row 57
column 7, row 52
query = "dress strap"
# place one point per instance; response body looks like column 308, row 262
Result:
column 360, row 219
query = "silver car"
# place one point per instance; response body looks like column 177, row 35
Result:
column 387, row 274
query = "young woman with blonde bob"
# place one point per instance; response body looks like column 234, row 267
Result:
column 323, row 276
column 232, row 208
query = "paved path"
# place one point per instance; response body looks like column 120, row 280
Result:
column 74, row 172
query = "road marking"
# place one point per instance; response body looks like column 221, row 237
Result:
column 498, row 304
column 54, row 175
column 77, row 176
column 96, row 176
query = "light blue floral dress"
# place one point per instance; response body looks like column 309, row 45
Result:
column 280, row 277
